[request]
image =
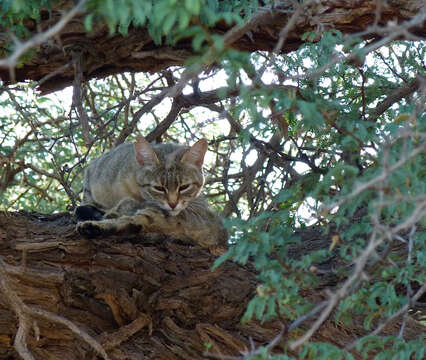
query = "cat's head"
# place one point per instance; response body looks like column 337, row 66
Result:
column 170, row 174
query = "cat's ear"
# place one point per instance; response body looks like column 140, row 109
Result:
column 195, row 154
column 145, row 155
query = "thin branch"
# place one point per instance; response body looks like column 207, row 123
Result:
column 392, row 31
column 11, row 61
column 253, row 352
column 343, row 291
column 77, row 97
column 19, row 308
column 364, row 186
column 400, row 312
column 301, row 319
column 164, row 125
column 24, row 313
column 70, row 325
column 396, row 95
column 210, row 57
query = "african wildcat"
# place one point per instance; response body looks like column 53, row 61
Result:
column 153, row 188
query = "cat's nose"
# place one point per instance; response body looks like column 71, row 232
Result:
column 172, row 205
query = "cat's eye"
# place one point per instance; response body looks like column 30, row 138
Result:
column 184, row 187
column 160, row 188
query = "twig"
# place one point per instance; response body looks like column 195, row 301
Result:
column 229, row 38
column 11, row 61
column 401, row 311
column 77, row 97
column 110, row 341
column 54, row 73
column 409, row 289
column 296, row 323
column 364, row 186
column 19, row 308
column 396, row 95
column 342, row 292
column 70, row 325
column 393, row 31
column 24, row 313
column 248, row 354
column 167, row 122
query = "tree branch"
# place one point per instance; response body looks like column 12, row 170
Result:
column 11, row 61
column 396, row 95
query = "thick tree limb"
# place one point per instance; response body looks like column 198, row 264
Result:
column 139, row 296
column 106, row 55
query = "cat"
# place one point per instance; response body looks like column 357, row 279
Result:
column 151, row 188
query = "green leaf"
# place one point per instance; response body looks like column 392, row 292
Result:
column 88, row 22
column 193, row 6
column 169, row 22
column 218, row 42
column 198, row 40
column 183, row 19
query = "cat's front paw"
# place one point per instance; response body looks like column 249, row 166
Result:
column 111, row 215
column 92, row 229
column 89, row 229
column 152, row 213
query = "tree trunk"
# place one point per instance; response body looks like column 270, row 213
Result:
column 139, row 297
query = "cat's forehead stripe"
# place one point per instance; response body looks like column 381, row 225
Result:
column 170, row 160
column 171, row 180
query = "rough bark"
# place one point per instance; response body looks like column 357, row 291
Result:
column 141, row 297
column 106, row 54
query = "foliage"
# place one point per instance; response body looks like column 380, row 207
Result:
column 168, row 18
column 289, row 152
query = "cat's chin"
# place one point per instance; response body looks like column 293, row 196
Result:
column 174, row 212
